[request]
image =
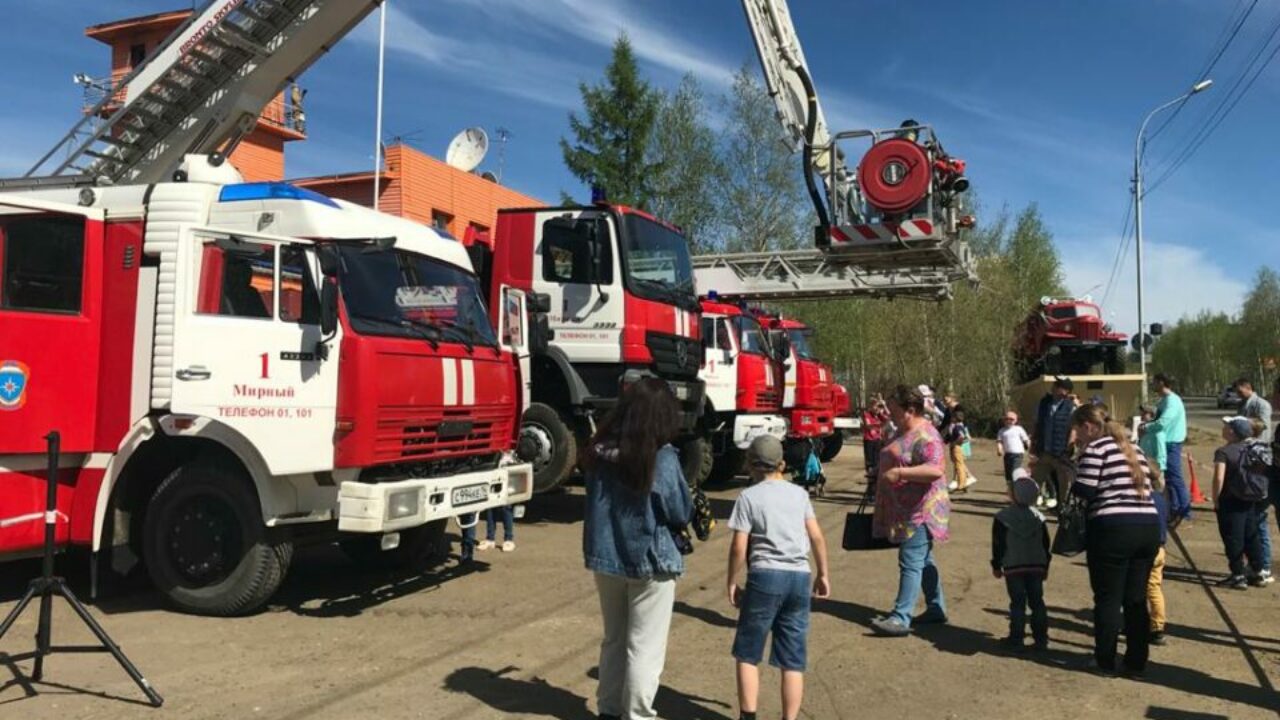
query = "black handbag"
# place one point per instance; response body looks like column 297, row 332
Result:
column 857, row 530
column 1070, row 538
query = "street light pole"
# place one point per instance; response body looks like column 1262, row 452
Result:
column 1137, row 212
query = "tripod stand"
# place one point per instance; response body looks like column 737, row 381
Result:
column 47, row 585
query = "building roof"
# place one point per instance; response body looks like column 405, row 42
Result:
column 110, row 31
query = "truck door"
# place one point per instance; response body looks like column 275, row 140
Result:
column 719, row 372
column 246, row 340
column 575, row 264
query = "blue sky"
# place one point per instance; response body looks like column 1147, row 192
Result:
column 1042, row 98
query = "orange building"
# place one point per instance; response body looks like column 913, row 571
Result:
column 419, row 187
column 413, row 185
column 260, row 155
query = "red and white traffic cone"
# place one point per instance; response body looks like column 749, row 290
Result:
column 1196, row 495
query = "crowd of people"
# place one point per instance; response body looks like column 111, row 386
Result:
column 1123, row 485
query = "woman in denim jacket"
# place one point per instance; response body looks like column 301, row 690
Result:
column 636, row 499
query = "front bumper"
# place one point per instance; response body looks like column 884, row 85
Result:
column 846, row 423
column 810, row 423
column 390, row 506
column 747, row 427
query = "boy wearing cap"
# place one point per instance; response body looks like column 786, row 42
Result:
column 1020, row 555
column 773, row 523
column 1238, row 495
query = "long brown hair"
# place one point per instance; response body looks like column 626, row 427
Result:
column 646, row 417
column 1093, row 414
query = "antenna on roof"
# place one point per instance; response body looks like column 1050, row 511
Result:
column 503, row 136
column 467, row 149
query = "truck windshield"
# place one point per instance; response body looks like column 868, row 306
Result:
column 800, row 343
column 404, row 294
column 657, row 263
column 750, row 337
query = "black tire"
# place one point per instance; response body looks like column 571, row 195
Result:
column 205, row 545
column 556, row 443
column 727, row 466
column 831, row 446
column 421, row 548
column 696, row 460
column 1114, row 361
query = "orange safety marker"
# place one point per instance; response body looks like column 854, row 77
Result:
column 1196, row 495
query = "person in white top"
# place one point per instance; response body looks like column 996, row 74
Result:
column 1011, row 444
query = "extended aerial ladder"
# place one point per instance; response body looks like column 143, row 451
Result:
column 200, row 92
column 891, row 228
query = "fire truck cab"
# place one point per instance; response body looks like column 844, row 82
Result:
column 744, row 385
column 807, row 394
column 238, row 367
column 621, row 306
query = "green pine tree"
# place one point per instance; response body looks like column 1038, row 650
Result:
column 611, row 139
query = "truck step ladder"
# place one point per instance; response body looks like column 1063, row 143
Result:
column 200, row 91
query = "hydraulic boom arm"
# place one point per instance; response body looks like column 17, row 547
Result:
column 199, row 92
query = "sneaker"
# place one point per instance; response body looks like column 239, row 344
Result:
column 1156, row 637
column 485, row 545
column 508, row 546
column 1262, row 579
column 969, row 482
column 1174, row 522
column 931, row 617
column 1133, row 674
column 890, row 627
column 1039, row 501
column 1234, row 582
column 1051, row 503
column 1100, row 671
column 1041, row 644
column 953, row 485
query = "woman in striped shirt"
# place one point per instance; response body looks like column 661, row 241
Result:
column 1123, row 536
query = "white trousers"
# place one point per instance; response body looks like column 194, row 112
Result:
column 637, row 617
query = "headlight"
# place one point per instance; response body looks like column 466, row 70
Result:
column 404, row 503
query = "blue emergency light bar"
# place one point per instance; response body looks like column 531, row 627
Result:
column 271, row 191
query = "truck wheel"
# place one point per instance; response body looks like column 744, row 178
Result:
column 696, row 460
column 420, row 548
column 551, row 444
column 1114, row 362
column 726, row 466
column 831, row 446
column 205, row 546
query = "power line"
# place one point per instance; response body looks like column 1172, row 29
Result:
column 1223, row 109
column 1208, row 68
column 1120, row 253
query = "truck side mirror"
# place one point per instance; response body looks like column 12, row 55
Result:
column 328, row 256
column 328, row 307
column 540, row 334
column 539, row 302
column 728, row 357
column 781, row 345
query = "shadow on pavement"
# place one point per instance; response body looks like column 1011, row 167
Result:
column 536, row 696
column 706, row 615
column 1163, row 713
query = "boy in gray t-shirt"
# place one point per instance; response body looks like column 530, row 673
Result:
column 773, row 521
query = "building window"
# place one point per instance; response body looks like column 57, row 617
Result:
column 137, row 53
column 441, row 220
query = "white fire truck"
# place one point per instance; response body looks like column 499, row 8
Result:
column 235, row 367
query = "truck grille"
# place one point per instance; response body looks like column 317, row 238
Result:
column 668, row 357
column 433, row 433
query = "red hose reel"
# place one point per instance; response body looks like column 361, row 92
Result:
column 894, row 175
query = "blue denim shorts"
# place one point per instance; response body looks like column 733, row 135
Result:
column 775, row 601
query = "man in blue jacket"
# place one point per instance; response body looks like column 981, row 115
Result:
column 1171, row 419
column 1051, row 442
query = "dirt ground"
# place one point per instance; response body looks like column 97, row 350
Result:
column 517, row 635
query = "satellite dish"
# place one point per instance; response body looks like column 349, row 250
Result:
column 489, row 176
column 467, row 149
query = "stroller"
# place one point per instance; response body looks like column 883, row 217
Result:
column 806, row 468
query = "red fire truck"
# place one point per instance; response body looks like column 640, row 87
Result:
column 744, row 379
column 235, row 368
column 621, row 302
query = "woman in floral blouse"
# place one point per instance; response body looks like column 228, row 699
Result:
column 912, row 511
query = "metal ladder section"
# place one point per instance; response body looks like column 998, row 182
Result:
column 190, row 95
column 813, row 274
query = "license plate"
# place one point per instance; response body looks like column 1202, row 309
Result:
column 682, row 392
column 470, row 494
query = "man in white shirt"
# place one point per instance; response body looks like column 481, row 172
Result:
column 1012, row 443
